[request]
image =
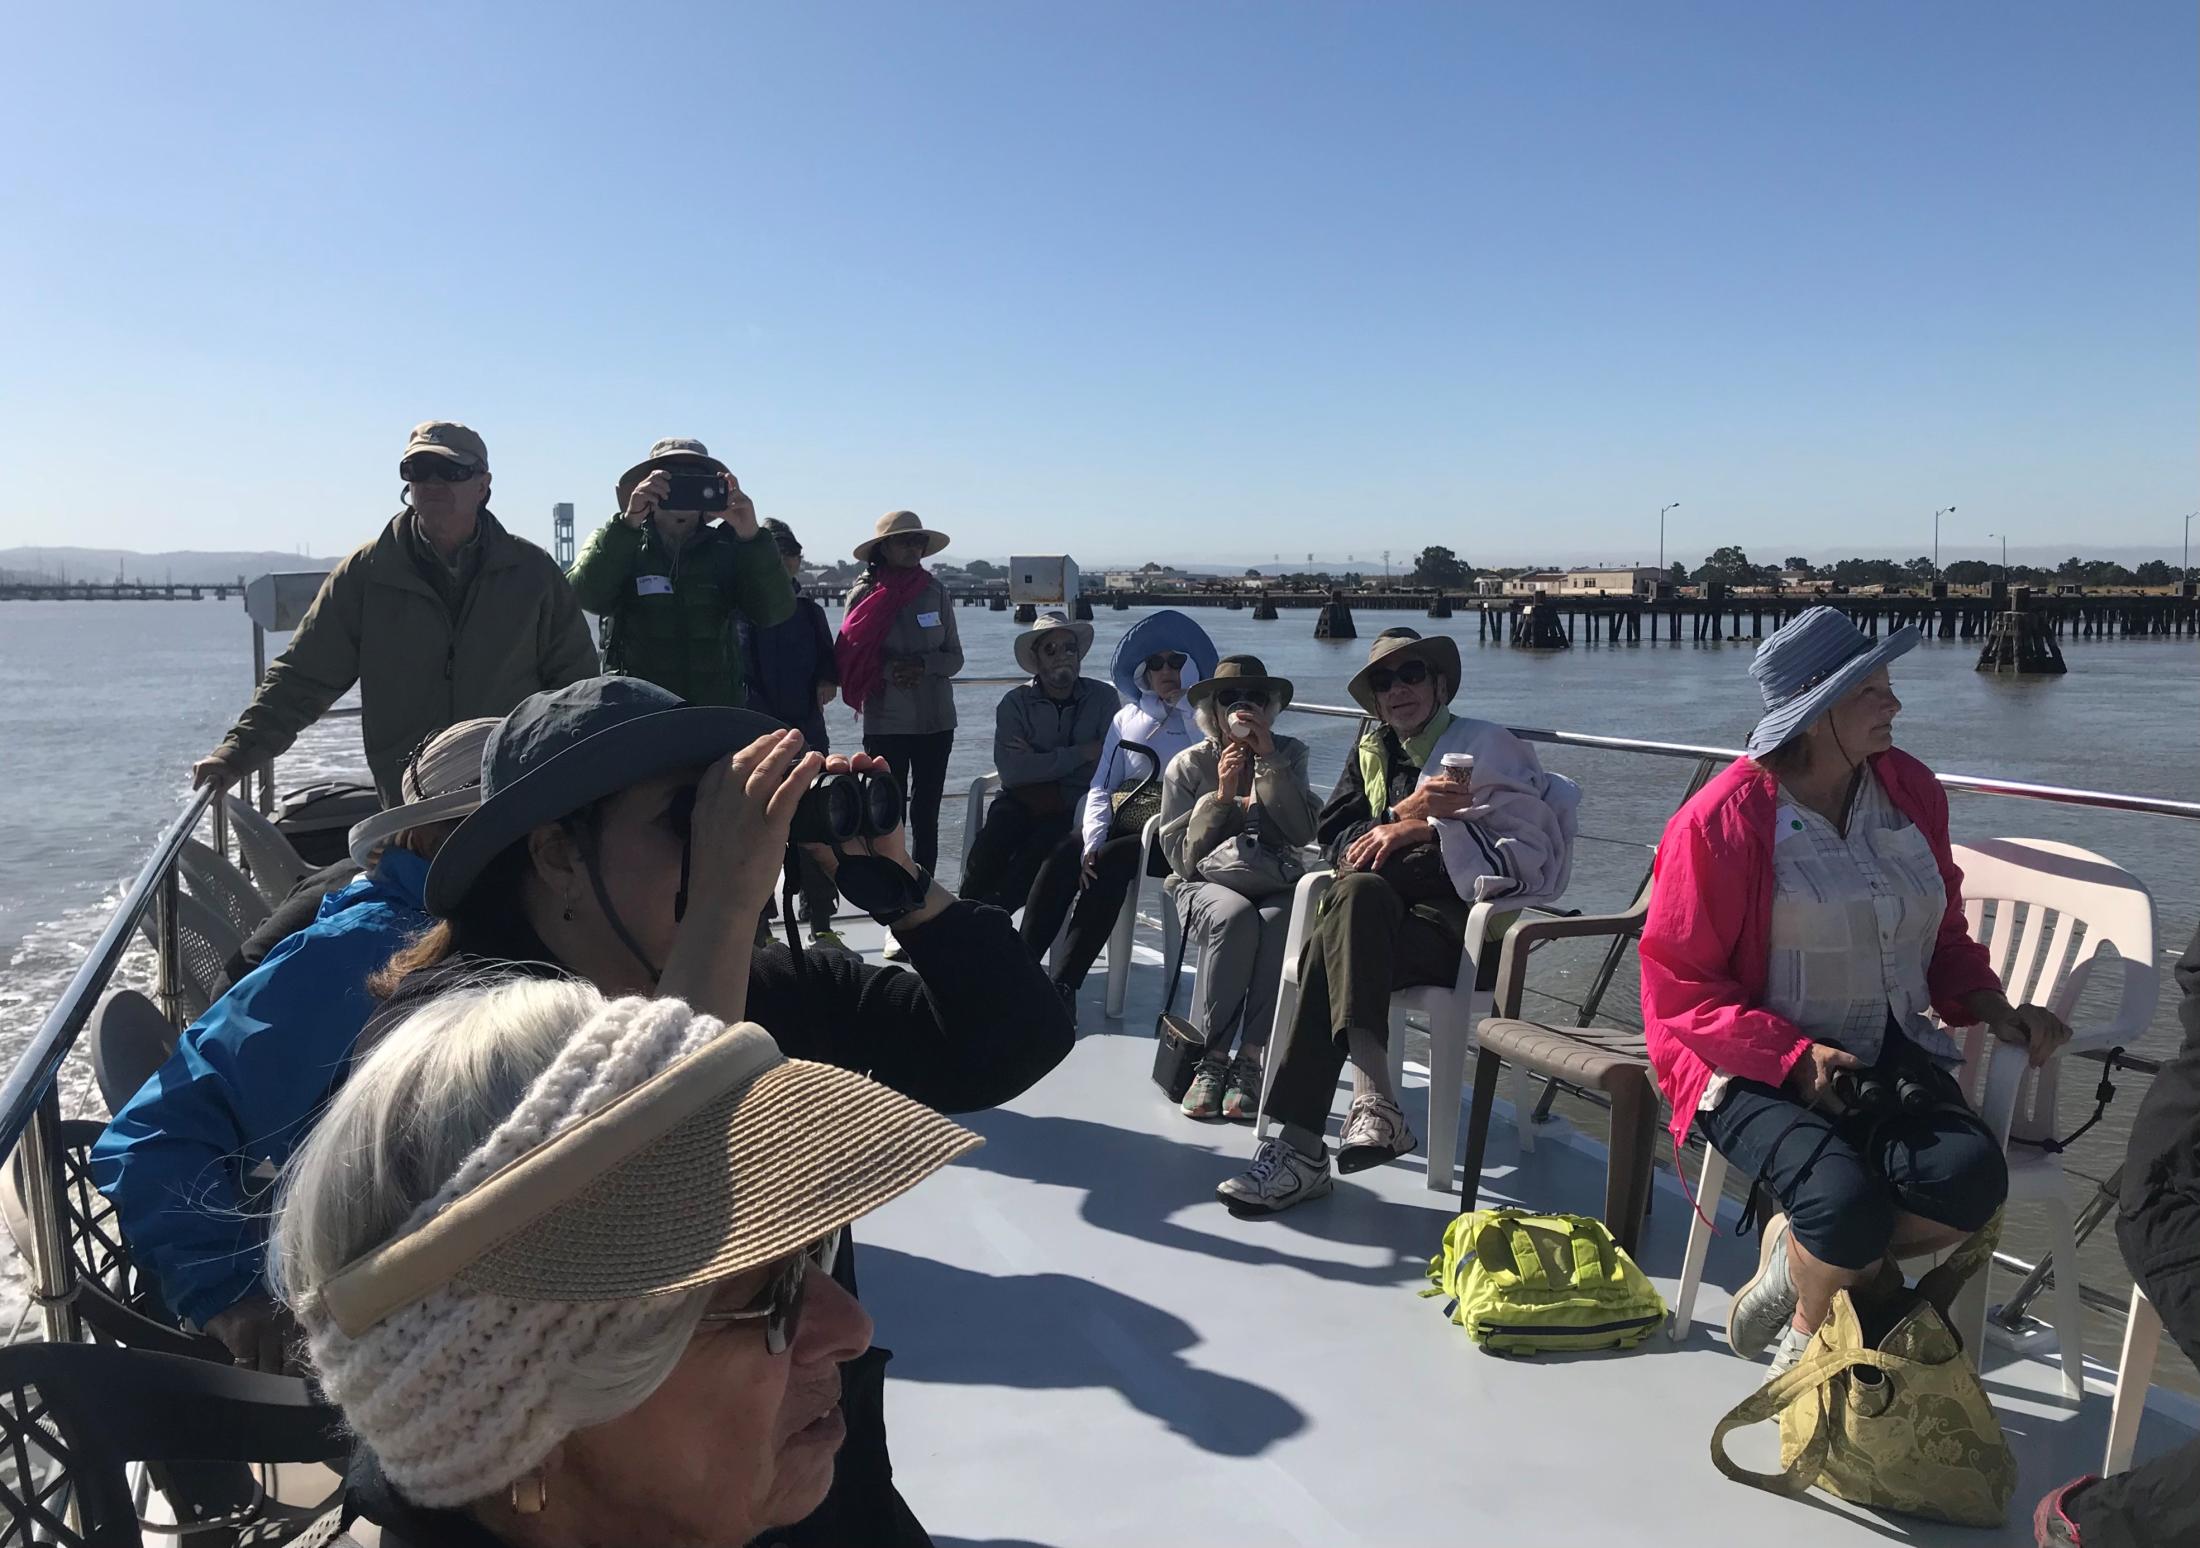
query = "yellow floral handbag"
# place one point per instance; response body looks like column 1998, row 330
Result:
column 1898, row 1423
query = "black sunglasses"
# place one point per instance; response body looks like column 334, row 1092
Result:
column 1166, row 661
column 779, row 1304
column 429, row 469
column 1231, row 698
column 1411, row 673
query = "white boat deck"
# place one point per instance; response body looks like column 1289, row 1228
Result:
column 1090, row 1350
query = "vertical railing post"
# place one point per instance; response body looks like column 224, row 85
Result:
column 219, row 812
column 45, row 1200
column 168, row 949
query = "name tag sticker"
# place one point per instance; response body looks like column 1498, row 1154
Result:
column 653, row 585
column 928, row 620
column 1787, row 823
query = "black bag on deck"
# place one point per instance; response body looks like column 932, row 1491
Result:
column 1178, row 1047
column 318, row 818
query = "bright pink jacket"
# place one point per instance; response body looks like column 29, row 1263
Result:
column 1707, row 944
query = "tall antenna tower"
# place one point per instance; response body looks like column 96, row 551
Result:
column 561, row 534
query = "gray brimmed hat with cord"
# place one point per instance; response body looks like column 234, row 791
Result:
column 1807, row 665
column 558, row 752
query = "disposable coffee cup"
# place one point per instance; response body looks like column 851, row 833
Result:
column 1459, row 766
column 1241, row 726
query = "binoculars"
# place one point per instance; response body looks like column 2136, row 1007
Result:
column 843, row 807
column 1866, row 1091
column 837, row 809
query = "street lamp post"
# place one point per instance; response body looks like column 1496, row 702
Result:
column 1676, row 505
column 2184, row 570
column 1947, row 510
column 2004, row 552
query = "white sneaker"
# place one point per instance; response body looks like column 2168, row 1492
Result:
column 1278, row 1178
column 1789, row 1351
column 1374, row 1132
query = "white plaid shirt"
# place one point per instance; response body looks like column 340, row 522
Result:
column 1854, row 921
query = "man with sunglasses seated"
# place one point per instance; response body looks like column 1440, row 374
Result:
column 1397, row 915
column 1047, row 736
column 444, row 617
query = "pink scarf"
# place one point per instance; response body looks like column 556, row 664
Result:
column 860, row 652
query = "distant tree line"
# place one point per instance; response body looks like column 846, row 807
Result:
column 1732, row 566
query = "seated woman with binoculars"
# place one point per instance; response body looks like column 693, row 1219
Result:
column 1807, row 915
column 596, row 852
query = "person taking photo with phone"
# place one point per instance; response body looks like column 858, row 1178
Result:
column 444, row 617
column 669, row 577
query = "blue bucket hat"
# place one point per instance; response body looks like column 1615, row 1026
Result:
column 559, row 751
column 1807, row 665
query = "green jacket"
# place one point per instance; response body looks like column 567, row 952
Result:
column 420, row 667
column 669, row 616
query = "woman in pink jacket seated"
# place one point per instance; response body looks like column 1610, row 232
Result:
column 1807, row 917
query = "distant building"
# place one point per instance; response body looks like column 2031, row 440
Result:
column 1534, row 581
column 1795, row 580
column 1633, row 581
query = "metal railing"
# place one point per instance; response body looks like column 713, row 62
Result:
column 30, row 1108
column 29, row 1104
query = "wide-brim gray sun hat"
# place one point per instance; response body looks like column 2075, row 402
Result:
column 1050, row 622
column 560, row 751
column 1807, row 665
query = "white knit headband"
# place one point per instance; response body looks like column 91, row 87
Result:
column 460, row 1393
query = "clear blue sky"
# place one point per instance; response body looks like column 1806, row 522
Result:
column 1194, row 281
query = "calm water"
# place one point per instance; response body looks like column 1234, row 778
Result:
column 103, row 707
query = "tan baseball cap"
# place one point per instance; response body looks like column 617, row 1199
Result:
column 447, row 438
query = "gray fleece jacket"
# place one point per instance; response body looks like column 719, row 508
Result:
column 1194, row 820
column 1042, row 741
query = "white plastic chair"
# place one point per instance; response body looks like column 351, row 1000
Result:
column 1453, row 1011
column 1126, row 923
column 275, row 866
column 973, row 820
column 2134, row 1374
column 2044, row 894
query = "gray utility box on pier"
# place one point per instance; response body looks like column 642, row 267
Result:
column 277, row 602
column 1043, row 580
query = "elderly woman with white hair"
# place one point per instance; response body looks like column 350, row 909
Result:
column 563, row 1263
column 1236, row 808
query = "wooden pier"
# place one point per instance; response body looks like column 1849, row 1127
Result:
column 1555, row 620
column 119, row 591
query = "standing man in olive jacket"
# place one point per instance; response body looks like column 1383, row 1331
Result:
column 443, row 618
column 669, row 579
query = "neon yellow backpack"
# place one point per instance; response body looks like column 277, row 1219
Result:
column 1523, row 1283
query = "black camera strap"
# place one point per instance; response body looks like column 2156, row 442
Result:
column 2103, row 1094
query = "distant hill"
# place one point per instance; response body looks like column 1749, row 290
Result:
column 187, row 566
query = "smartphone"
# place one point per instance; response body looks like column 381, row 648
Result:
column 704, row 492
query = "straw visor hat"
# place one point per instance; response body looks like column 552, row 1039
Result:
column 1807, row 665
column 1244, row 672
column 900, row 524
column 441, row 783
column 1393, row 648
column 721, row 1160
column 1049, row 622
column 559, row 751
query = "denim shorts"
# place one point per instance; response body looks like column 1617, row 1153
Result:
column 1843, row 1179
